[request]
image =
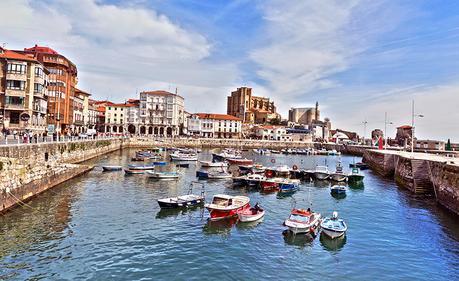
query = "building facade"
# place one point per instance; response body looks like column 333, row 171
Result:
column 269, row 132
column 61, row 88
column 211, row 125
column 23, row 93
column 430, row 144
column 161, row 113
column 304, row 115
column 249, row 108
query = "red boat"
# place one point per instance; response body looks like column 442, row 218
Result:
column 239, row 161
column 269, row 185
column 226, row 206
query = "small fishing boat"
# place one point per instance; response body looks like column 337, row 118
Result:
column 338, row 190
column 303, row 221
column 360, row 165
column 282, row 171
column 288, row 185
column 111, row 168
column 226, row 206
column 179, row 156
column 254, row 180
column 133, row 172
column 138, row 159
column 225, row 154
column 239, row 161
column 211, row 164
column 219, row 175
column 251, row 214
column 273, row 151
column 334, row 152
column 183, row 165
column 333, row 227
column 160, row 163
column 202, row 174
column 338, row 175
column 245, row 168
column 184, row 201
column 355, row 176
column 258, row 169
column 321, row 173
column 270, row 184
column 163, row 175
column 141, row 167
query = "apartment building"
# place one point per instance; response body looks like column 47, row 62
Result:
column 214, row 125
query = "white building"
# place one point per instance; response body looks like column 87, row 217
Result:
column 161, row 113
column 211, row 125
column 272, row 133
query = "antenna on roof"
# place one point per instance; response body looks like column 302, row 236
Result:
column 176, row 90
column 4, row 45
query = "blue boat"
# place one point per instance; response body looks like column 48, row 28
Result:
column 202, row 174
column 160, row 163
column 287, row 186
column 338, row 190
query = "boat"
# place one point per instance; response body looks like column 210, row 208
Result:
column 183, row 165
column 360, row 165
column 160, row 163
column 270, row 184
column 219, row 175
column 273, row 151
column 211, row 164
column 141, row 167
column 225, row 154
column 334, row 152
column 333, row 227
column 262, row 151
column 321, row 173
column 138, row 159
column 355, row 176
column 184, row 201
column 288, row 185
column 202, row 174
column 258, row 169
column 179, row 156
column 338, row 175
column 303, row 221
column 338, row 190
column 251, row 214
column 239, row 161
column 111, row 168
column 254, row 180
column 226, row 206
column 163, row 175
column 282, row 171
column 133, row 172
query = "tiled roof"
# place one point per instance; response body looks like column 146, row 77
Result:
column 404, row 127
column 40, row 49
column 160, row 93
column 217, row 116
column 7, row 54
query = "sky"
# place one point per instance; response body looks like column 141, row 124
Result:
column 358, row 58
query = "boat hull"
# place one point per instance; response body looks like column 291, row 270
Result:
column 216, row 215
column 111, row 168
column 355, row 178
column 338, row 177
column 332, row 233
column 243, row 217
column 321, row 175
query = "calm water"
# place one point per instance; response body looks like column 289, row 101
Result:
column 108, row 226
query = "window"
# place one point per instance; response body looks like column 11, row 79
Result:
column 16, row 68
column 15, row 85
column 56, row 71
column 38, row 72
column 38, row 88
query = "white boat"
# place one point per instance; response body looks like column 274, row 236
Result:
column 211, row 164
column 321, row 173
column 338, row 190
column 252, row 214
column 163, row 175
column 303, row 221
column 178, row 156
column 338, row 175
column 282, row 171
column 333, row 227
column 219, row 175
column 226, row 206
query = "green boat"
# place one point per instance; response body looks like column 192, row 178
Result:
column 355, row 176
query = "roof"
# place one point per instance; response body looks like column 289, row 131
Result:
column 122, row 104
column 101, row 109
column 217, row 116
column 82, row 92
column 7, row 54
column 404, row 127
column 41, row 49
column 160, row 93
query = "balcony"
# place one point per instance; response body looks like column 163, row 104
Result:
column 16, row 76
column 14, row 106
column 15, row 93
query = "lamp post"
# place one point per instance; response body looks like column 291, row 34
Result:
column 364, row 130
column 385, row 129
column 413, row 117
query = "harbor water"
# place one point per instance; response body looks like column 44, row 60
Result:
column 108, row 226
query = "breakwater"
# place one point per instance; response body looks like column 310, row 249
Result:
column 420, row 173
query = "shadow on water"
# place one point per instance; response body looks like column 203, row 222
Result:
column 248, row 225
column 357, row 185
column 299, row 240
column 166, row 213
column 338, row 196
column 332, row 245
column 222, row 227
column 322, row 184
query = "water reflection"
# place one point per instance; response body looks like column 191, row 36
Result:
column 166, row 213
column 219, row 227
column 248, row 225
column 299, row 240
column 332, row 245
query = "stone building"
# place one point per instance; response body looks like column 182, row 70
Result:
column 61, row 89
column 403, row 136
column 430, row 144
column 249, row 108
column 161, row 113
column 304, row 115
column 23, row 92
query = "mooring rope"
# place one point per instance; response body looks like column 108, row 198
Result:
column 20, row 201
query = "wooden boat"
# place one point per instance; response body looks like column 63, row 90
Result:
column 226, row 206
column 321, row 173
column 211, row 164
column 333, row 227
column 219, row 175
column 163, row 175
column 355, row 176
column 133, row 172
column 338, row 190
column 177, row 156
column 239, row 161
column 111, row 168
column 338, row 175
column 184, row 201
column 288, row 185
column 251, row 214
column 141, row 167
column 303, row 221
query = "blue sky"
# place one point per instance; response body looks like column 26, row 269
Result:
column 358, row 58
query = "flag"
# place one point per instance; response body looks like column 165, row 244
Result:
column 380, row 143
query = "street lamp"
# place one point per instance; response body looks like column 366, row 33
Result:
column 413, row 116
column 385, row 129
column 364, row 130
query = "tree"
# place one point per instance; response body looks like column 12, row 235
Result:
column 448, row 145
column 275, row 121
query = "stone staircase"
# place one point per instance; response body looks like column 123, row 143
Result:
column 421, row 177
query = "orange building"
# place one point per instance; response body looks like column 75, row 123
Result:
column 61, row 88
